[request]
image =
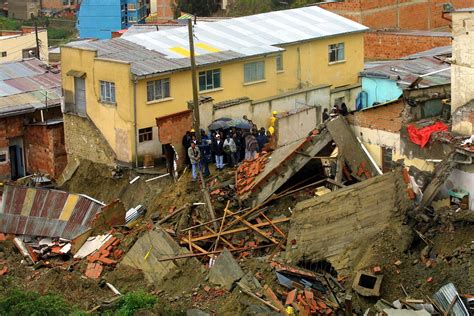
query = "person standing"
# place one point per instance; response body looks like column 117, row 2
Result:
column 186, row 142
column 344, row 110
column 218, row 149
column 195, row 157
column 262, row 139
column 325, row 115
column 206, row 156
column 230, row 149
column 251, row 147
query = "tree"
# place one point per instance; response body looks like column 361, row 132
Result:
column 198, row 7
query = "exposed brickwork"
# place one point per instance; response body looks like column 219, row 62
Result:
column 43, row 146
column 385, row 118
column 393, row 45
column 404, row 14
column 172, row 128
column 45, row 149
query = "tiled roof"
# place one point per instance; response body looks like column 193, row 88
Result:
column 28, row 85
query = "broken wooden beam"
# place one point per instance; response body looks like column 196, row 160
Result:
column 207, row 253
column 241, row 229
column 167, row 217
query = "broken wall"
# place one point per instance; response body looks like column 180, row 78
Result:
column 340, row 226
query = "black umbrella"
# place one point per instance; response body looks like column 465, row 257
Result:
column 240, row 123
column 218, row 124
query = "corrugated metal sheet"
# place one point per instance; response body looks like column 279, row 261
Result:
column 225, row 40
column 46, row 213
column 446, row 295
column 27, row 85
column 407, row 70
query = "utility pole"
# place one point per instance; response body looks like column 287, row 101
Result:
column 37, row 41
column 196, row 119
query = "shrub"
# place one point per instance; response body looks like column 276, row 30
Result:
column 17, row 303
column 134, row 301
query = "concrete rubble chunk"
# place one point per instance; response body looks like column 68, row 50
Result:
column 225, row 271
column 367, row 284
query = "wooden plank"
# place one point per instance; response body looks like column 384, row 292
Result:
column 207, row 199
column 228, row 243
column 207, row 253
column 258, row 231
column 278, row 230
column 167, row 217
column 248, row 292
column 222, row 226
column 240, row 229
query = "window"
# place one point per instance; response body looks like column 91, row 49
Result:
column 158, row 89
column 279, row 62
column 29, row 52
column 131, row 6
column 145, row 134
column 254, row 71
column 4, row 54
column 132, row 18
column 210, row 79
column 387, row 159
column 3, row 157
column 107, row 91
column 336, row 52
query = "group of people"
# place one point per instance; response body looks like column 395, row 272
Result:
column 224, row 147
column 336, row 110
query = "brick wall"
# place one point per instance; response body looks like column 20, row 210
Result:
column 171, row 130
column 384, row 118
column 404, row 14
column 392, row 45
column 45, row 149
column 43, row 146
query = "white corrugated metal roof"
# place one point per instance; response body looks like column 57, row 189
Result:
column 250, row 35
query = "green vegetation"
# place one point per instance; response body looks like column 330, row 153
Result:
column 59, row 30
column 197, row 7
column 247, row 7
column 134, row 301
column 18, row 302
column 9, row 24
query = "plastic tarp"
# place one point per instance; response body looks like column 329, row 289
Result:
column 422, row 136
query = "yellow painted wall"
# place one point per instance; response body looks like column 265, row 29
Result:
column 305, row 64
column 114, row 121
column 313, row 64
column 15, row 44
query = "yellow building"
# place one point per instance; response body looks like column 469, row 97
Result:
column 122, row 85
column 17, row 45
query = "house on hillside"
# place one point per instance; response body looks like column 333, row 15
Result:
column 17, row 45
column 384, row 81
column 31, row 125
column 23, row 9
column 98, row 19
column 124, row 84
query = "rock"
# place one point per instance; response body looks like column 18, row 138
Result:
column 196, row 312
column 225, row 271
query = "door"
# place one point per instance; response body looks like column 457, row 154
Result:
column 80, row 96
column 17, row 162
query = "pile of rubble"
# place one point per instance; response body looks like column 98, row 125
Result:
column 247, row 171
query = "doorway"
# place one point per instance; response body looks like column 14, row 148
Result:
column 17, row 158
column 80, row 96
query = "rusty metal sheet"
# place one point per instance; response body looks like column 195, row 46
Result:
column 46, row 213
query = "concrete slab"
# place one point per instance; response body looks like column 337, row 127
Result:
column 226, row 271
column 282, row 164
column 350, row 148
column 157, row 244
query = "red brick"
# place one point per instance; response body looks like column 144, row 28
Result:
column 94, row 270
column 291, row 297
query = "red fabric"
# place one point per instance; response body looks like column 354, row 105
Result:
column 422, row 136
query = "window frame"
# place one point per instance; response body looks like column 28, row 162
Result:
column 387, row 165
column 212, row 73
column 280, row 66
column 145, row 134
column 163, row 83
column 4, row 54
column 334, row 51
column 257, row 77
column 110, row 93
column 4, row 152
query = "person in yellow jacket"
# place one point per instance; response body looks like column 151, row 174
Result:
column 273, row 121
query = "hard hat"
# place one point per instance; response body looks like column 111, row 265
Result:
column 192, row 130
column 274, row 112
